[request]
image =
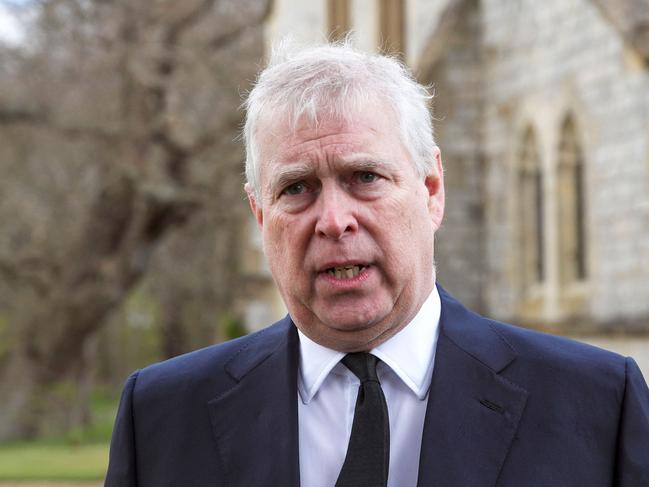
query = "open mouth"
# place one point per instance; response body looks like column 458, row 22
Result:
column 346, row 272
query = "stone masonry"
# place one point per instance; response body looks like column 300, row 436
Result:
column 504, row 68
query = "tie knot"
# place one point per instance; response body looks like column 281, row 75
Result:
column 362, row 364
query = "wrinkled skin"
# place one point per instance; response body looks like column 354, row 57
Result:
column 344, row 194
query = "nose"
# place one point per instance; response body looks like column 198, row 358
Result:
column 336, row 214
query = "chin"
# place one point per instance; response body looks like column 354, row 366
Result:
column 358, row 340
column 349, row 326
column 355, row 314
column 352, row 321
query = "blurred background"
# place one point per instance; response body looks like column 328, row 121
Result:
column 125, row 236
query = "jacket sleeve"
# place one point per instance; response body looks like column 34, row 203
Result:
column 632, row 469
column 121, row 465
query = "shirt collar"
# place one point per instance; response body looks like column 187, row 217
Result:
column 410, row 354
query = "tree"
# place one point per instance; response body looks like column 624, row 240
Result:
column 117, row 122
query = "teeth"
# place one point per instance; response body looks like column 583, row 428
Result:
column 345, row 272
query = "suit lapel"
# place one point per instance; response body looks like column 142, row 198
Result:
column 473, row 412
column 471, row 417
column 255, row 422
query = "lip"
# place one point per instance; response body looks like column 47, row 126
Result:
column 342, row 263
column 347, row 284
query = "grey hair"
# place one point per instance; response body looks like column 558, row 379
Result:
column 337, row 80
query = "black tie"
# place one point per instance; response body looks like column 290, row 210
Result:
column 368, row 453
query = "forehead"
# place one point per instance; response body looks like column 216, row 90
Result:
column 373, row 129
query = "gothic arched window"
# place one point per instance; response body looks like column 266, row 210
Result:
column 391, row 26
column 571, row 206
column 338, row 19
column 530, row 212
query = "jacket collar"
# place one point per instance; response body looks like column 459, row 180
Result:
column 473, row 412
column 471, row 418
column 409, row 354
column 255, row 422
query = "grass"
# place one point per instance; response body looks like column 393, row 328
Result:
column 81, row 455
column 34, row 461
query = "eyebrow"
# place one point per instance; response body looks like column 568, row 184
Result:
column 299, row 171
column 366, row 163
column 291, row 174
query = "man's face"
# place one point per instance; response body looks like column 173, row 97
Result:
column 348, row 226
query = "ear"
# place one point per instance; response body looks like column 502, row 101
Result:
column 435, row 185
column 256, row 209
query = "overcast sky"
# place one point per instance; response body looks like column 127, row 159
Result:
column 10, row 30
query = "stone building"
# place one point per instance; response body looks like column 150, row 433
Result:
column 542, row 113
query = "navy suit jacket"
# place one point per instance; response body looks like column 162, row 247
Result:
column 507, row 407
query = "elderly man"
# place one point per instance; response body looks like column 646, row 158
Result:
column 377, row 376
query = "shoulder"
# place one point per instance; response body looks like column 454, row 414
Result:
column 562, row 359
column 528, row 356
column 209, row 368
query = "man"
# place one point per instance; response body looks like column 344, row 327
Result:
column 346, row 184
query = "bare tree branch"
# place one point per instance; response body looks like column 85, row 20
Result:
column 143, row 179
column 42, row 120
column 176, row 29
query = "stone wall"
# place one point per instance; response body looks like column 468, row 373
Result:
column 458, row 111
column 500, row 68
column 544, row 61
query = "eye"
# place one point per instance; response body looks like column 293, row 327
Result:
column 367, row 177
column 296, row 188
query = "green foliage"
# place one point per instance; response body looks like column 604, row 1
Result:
column 64, row 391
column 5, row 339
column 51, row 461
column 140, row 333
column 99, row 431
column 104, row 409
column 82, row 454
column 142, row 310
column 232, row 327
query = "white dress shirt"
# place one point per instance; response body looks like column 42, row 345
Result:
column 327, row 398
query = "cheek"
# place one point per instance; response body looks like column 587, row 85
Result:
column 396, row 240
column 284, row 242
column 409, row 231
column 405, row 219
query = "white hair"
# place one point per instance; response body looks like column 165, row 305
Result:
column 337, row 80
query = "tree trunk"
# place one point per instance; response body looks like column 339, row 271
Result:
column 37, row 402
column 145, row 150
column 43, row 376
